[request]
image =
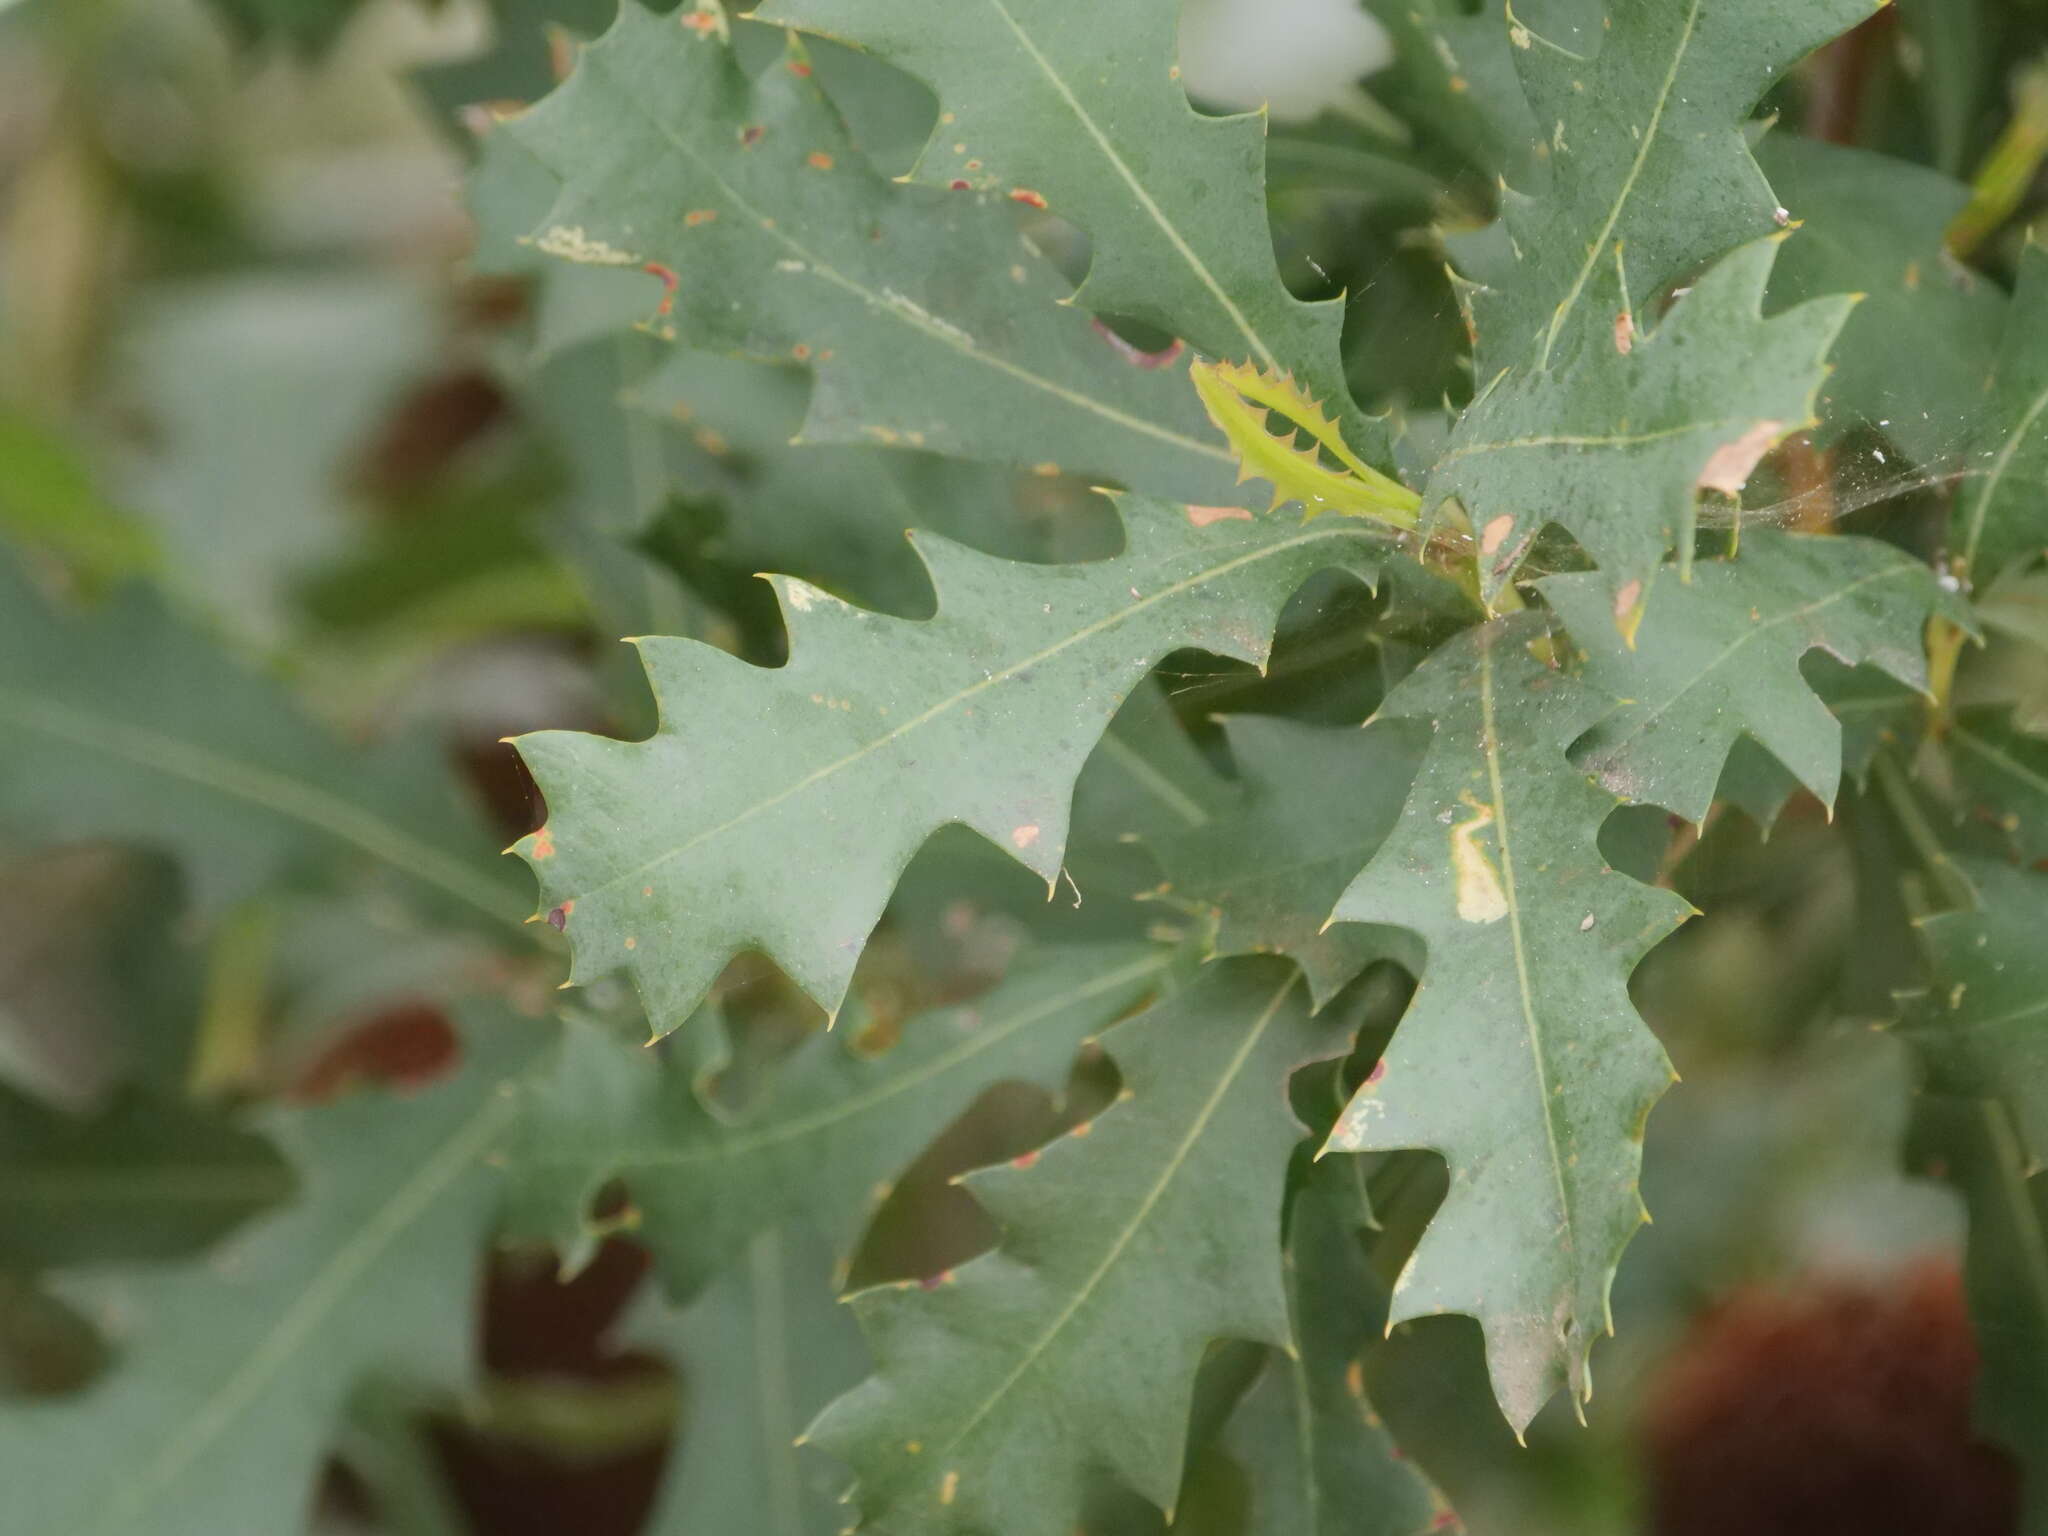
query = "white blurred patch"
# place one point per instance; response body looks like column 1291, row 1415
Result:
column 1296, row 56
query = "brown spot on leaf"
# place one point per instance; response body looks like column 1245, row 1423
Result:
column 1624, row 333
column 1496, row 533
column 558, row 918
column 697, row 216
column 818, row 160
column 1023, row 1159
column 669, row 283
column 1202, row 517
column 543, row 844
column 800, row 69
column 1727, row 470
column 1028, row 197
column 1025, row 835
column 1138, row 357
column 958, row 185
column 752, row 134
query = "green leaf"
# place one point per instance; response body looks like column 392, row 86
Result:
column 1316, row 803
column 1521, row 1059
column 832, row 1125
column 1321, row 1462
column 126, row 725
column 1646, row 154
column 1127, row 1247
column 775, row 809
column 1913, row 357
column 2002, row 773
column 1616, row 433
column 233, row 1371
column 760, row 1353
column 1998, row 518
column 142, row 1178
column 835, row 514
column 927, row 320
column 1719, row 659
column 2007, row 1201
column 1982, row 1028
column 1079, row 106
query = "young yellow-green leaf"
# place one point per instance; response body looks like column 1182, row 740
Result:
column 1719, row 658
column 124, row 724
column 926, row 319
column 1315, row 805
column 1998, row 517
column 1616, row 435
column 1240, row 399
column 832, row 1125
column 1127, row 1248
column 1982, row 1027
column 231, row 1372
column 1521, row 1059
column 1078, row 106
column 143, row 1178
column 774, row 809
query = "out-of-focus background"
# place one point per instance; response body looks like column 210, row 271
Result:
column 253, row 358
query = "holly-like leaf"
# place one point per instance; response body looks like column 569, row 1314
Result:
column 775, row 809
column 1316, row 804
column 927, row 320
column 1912, row 360
column 1720, row 657
column 760, row 1352
column 1620, row 429
column 833, row 1124
column 232, row 1371
column 1982, row 1028
column 1998, row 518
column 1079, row 106
column 1127, row 1247
column 1320, row 1462
column 124, row 724
column 1646, row 153
column 1521, row 1058
column 141, row 1179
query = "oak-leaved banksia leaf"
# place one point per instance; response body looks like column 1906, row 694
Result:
column 1083, row 978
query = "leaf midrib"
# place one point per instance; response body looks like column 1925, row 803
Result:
column 902, row 310
column 1225, row 1080
column 855, row 1105
column 1525, row 989
column 154, row 752
column 302, row 1319
column 1701, row 674
column 974, row 690
column 1145, row 199
column 1628, row 185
